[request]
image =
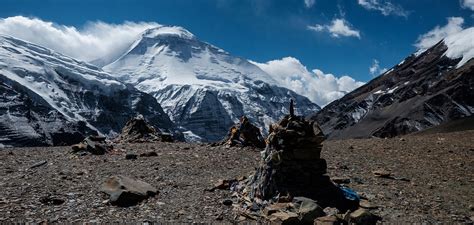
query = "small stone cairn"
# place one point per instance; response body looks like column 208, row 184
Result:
column 244, row 134
column 138, row 130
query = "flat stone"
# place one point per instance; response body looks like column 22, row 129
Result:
column 125, row 191
column 327, row 220
column 286, row 218
column 382, row 173
column 367, row 205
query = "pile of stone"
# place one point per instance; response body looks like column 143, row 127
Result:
column 137, row 130
column 244, row 134
column 96, row 145
column 291, row 185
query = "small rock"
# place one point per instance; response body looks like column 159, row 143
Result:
column 308, row 209
column 223, row 185
column 148, row 154
column 341, row 180
column 49, row 200
column 125, row 191
column 38, row 164
column 366, row 204
column 131, row 156
column 227, row 202
column 363, row 216
column 471, row 207
column 331, row 211
column 327, row 220
column 382, row 173
column 286, row 218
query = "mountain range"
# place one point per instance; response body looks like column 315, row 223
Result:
column 183, row 85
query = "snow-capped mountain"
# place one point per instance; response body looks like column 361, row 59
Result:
column 426, row 89
column 47, row 98
column 203, row 88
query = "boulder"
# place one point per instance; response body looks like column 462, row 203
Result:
column 95, row 145
column 124, row 191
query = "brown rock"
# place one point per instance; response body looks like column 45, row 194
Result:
column 125, row 191
column 363, row 216
column 327, row 220
column 286, row 218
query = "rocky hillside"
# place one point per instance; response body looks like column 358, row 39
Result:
column 204, row 89
column 425, row 90
column 47, row 98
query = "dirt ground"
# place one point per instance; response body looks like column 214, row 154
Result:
column 433, row 180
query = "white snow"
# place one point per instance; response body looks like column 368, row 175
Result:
column 390, row 91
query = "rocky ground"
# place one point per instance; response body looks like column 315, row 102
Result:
column 431, row 180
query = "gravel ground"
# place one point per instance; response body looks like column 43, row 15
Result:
column 433, row 180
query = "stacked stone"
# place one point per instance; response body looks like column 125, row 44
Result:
column 244, row 133
column 292, row 164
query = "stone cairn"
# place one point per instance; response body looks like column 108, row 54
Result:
column 291, row 170
column 244, row 134
column 138, row 130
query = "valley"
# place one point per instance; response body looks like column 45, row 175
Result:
column 432, row 180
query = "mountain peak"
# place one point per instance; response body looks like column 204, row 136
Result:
column 168, row 31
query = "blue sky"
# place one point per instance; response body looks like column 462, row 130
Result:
column 263, row 30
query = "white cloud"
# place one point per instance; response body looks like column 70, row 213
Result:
column 337, row 28
column 458, row 40
column 468, row 4
column 319, row 87
column 309, row 3
column 93, row 41
column 429, row 39
column 375, row 68
column 384, row 6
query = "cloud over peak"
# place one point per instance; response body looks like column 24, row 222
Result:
column 384, row 6
column 337, row 28
column 429, row 39
column 318, row 86
column 93, row 41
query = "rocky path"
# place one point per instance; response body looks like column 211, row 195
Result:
column 430, row 180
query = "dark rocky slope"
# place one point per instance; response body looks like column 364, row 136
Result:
column 421, row 92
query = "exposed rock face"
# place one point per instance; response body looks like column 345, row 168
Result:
column 244, row 133
column 51, row 99
column 421, row 92
column 125, row 191
column 204, row 89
